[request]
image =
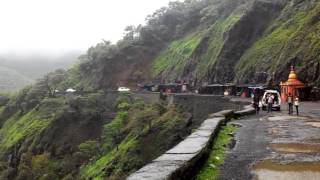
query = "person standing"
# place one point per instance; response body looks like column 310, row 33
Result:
column 270, row 102
column 260, row 105
column 184, row 88
column 266, row 102
column 290, row 101
column 296, row 104
column 256, row 103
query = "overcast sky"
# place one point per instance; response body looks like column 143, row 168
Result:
column 34, row 26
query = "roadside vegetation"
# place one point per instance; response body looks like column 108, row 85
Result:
column 67, row 137
column 134, row 137
column 210, row 169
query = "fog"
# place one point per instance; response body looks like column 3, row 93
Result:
column 53, row 28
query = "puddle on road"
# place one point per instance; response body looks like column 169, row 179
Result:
column 296, row 147
column 313, row 140
column 314, row 124
column 269, row 170
column 284, row 118
column 274, row 131
column 237, row 125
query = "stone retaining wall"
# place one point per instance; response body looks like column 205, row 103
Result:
column 184, row 160
column 202, row 105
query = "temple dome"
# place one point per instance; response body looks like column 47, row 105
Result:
column 293, row 80
column 292, row 75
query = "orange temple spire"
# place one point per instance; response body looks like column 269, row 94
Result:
column 291, row 86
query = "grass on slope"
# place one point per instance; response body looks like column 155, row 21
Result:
column 20, row 126
column 216, row 42
column 210, row 169
column 143, row 131
column 172, row 62
column 285, row 40
column 95, row 169
column 177, row 55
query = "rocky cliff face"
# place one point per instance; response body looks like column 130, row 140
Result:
column 291, row 39
column 240, row 36
column 255, row 42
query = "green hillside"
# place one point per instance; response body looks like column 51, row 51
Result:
column 292, row 38
column 46, row 134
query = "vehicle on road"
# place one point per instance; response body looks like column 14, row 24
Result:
column 276, row 102
column 123, row 89
column 70, row 90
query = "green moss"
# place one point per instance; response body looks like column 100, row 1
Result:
column 210, row 169
column 99, row 178
column 95, row 169
column 177, row 55
column 111, row 136
column 112, row 130
column 18, row 127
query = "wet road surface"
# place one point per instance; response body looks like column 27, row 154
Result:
column 274, row 146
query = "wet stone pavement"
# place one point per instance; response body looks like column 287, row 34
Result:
column 275, row 146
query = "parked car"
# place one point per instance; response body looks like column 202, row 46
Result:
column 277, row 100
column 123, row 89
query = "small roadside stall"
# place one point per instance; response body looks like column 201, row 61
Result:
column 170, row 88
column 257, row 89
column 218, row 89
column 148, row 87
column 248, row 90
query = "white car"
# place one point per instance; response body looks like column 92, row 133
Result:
column 277, row 99
column 123, row 89
column 70, row 90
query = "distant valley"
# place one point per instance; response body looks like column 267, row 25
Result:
column 11, row 80
column 17, row 72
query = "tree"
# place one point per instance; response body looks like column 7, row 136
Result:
column 51, row 81
column 146, row 116
column 40, row 164
column 21, row 99
column 112, row 130
column 90, row 148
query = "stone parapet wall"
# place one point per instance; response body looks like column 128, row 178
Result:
column 184, row 160
column 202, row 105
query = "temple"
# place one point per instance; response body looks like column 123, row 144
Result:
column 291, row 86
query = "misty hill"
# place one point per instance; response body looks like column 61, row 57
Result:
column 35, row 66
column 11, row 80
column 95, row 136
column 20, row 70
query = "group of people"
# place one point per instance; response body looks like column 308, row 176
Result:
column 270, row 100
column 293, row 101
column 257, row 102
